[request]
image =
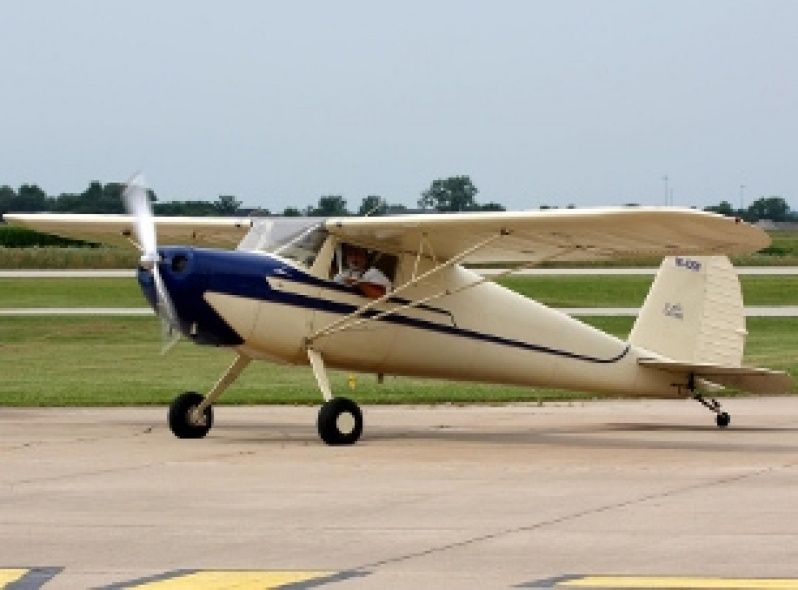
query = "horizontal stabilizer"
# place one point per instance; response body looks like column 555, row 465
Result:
column 763, row 381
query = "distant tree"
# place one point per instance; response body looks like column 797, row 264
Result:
column 547, row 207
column 491, row 207
column 773, row 208
column 186, row 208
column 456, row 193
column 372, row 205
column 292, row 212
column 395, row 209
column 226, row 205
column 97, row 198
column 30, row 198
column 723, row 208
column 8, row 197
column 570, row 206
column 329, row 206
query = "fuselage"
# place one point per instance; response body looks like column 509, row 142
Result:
column 267, row 307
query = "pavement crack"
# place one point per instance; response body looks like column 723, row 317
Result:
column 576, row 515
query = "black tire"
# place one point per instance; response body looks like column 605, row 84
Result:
column 722, row 420
column 179, row 421
column 330, row 426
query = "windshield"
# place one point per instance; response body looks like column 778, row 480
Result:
column 303, row 247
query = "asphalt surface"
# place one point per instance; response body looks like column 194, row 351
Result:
column 441, row 497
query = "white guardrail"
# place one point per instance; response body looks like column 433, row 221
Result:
column 752, row 311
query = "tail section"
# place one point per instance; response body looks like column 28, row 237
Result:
column 694, row 312
column 762, row 381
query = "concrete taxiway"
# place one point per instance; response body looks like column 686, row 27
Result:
column 432, row 497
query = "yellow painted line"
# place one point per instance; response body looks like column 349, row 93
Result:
column 679, row 583
column 232, row 580
column 9, row 576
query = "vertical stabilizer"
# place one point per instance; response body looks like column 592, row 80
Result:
column 694, row 312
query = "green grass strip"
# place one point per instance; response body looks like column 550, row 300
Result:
column 69, row 361
column 563, row 291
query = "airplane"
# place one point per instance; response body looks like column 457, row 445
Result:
column 275, row 298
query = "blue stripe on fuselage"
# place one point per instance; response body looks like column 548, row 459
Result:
column 244, row 275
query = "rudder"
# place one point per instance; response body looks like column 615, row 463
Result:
column 694, row 312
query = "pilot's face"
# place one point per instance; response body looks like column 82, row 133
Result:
column 356, row 259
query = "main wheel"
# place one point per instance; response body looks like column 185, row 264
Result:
column 723, row 420
column 340, row 421
column 180, row 411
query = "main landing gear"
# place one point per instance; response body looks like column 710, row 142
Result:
column 191, row 415
column 181, row 416
column 340, row 420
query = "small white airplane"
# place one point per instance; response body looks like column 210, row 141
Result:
column 408, row 306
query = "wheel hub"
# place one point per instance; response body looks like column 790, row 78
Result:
column 345, row 422
column 195, row 418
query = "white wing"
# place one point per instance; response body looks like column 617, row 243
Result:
column 571, row 234
column 115, row 230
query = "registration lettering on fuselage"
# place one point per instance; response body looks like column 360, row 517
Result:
column 688, row 263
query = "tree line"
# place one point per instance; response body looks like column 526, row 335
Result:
column 774, row 208
column 455, row 193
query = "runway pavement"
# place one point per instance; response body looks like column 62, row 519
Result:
column 519, row 496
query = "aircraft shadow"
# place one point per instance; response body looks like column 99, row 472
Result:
column 734, row 440
column 648, row 427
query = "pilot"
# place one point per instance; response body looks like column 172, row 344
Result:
column 370, row 281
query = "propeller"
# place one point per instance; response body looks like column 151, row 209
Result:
column 137, row 202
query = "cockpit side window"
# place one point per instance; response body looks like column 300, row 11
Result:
column 385, row 263
column 305, row 247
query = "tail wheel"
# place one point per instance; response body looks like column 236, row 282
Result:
column 180, row 416
column 340, row 421
column 723, row 419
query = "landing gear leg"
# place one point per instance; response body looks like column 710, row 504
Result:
column 191, row 415
column 722, row 419
column 340, row 420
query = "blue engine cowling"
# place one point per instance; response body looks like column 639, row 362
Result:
column 189, row 272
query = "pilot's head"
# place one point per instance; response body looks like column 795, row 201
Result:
column 356, row 258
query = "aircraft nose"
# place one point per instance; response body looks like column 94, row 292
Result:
column 186, row 274
column 172, row 264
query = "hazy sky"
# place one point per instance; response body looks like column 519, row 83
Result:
column 278, row 103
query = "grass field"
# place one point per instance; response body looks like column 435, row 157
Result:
column 116, row 361
column 565, row 291
column 35, row 257
column 630, row 291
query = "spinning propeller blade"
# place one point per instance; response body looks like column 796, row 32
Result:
column 137, row 202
